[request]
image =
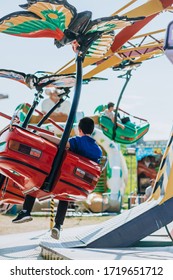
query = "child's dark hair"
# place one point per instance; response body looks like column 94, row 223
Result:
column 86, row 124
column 110, row 104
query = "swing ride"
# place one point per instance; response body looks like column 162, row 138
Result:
column 130, row 56
column 140, row 221
column 38, row 167
column 19, row 141
column 122, row 130
column 127, row 132
column 29, row 164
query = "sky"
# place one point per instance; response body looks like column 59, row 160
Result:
column 149, row 94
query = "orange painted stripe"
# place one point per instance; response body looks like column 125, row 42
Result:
column 123, row 36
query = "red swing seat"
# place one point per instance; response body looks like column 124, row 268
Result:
column 10, row 192
column 27, row 159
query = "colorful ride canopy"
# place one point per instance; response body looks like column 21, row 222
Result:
column 60, row 20
column 149, row 9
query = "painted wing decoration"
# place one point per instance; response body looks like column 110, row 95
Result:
column 69, row 78
column 108, row 24
column 13, row 75
column 99, row 35
column 48, row 79
column 29, row 80
column 58, row 81
column 40, row 79
column 105, row 27
column 59, row 20
column 61, row 81
column 43, row 19
column 100, row 46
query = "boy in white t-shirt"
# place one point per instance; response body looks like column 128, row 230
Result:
column 109, row 112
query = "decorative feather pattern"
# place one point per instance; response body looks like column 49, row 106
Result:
column 43, row 19
column 100, row 47
column 60, row 20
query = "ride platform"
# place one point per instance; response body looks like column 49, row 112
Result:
column 157, row 246
column 38, row 245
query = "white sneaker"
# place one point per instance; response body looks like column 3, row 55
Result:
column 55, row 233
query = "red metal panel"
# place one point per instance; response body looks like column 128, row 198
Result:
column 166, row 3
column 128, row 32
column 29, row 173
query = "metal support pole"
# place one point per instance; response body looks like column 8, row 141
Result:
column 48, row 184
column 52, row 206
column 46, row 116
column 127, row 77
column 38, row 96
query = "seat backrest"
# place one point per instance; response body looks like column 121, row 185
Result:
column 77, row 177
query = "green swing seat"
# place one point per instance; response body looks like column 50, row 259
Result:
column 127, row 132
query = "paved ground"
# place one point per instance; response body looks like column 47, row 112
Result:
column 157, row 246
column 20, row 246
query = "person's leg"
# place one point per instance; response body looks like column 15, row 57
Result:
column 24, row 214
column 61, row 212
column 59, row 218
column 29, row 203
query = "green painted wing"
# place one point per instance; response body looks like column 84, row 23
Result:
column 42, row 19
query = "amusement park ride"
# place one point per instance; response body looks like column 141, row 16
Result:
column 29, row 164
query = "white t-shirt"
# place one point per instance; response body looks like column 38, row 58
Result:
column 47, row 104
column 109, row 114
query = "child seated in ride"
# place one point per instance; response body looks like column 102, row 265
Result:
column 83, row 145
column 109, row 112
